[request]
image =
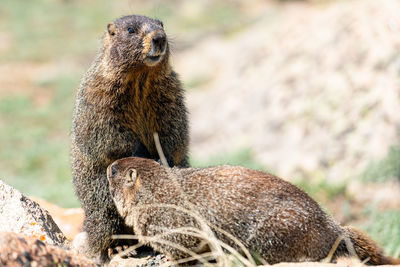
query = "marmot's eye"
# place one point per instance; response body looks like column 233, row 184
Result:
column 131, row 30
column 160, row 23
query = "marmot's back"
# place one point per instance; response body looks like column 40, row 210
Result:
column 266, row 213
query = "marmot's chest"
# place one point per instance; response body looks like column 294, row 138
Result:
column 143, row 116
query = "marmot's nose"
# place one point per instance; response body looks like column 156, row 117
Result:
column 159, row 41
column 112, row 170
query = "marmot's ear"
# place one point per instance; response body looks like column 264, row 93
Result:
column 131, row 177
column 112, row 30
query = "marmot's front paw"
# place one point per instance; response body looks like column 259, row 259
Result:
column 81, row 245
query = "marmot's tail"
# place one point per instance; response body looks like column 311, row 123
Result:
column 366, row 248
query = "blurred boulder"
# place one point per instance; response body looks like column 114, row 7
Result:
column 20, row 250
column 68, row 219
column 20, row 214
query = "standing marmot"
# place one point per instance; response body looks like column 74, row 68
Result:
column 270, row 216
column 129, row 92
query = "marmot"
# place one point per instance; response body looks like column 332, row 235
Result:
column 270, row 216
column 129, row 92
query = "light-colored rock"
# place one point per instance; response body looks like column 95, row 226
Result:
column 68, row 219
column 20, row 214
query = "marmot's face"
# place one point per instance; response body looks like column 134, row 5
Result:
column 122, row 186
column 136, row 40
column 126, row 177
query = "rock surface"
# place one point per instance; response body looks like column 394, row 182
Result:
column 20, row 250
column 68, row 219
column 20, row 214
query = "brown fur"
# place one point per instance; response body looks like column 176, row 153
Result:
column 270, row 216
column 365, row 248
column 129, row 92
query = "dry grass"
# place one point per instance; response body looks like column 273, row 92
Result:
column 222, row 253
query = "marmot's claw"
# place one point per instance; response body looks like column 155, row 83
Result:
column 123, row 251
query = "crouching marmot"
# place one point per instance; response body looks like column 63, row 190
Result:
column 270, row 216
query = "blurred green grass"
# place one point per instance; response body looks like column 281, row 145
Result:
column 44, row 30
column 35, row 142
column 386, row 169
column 384, row 227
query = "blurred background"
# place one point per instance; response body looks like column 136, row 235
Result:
column 308, row 90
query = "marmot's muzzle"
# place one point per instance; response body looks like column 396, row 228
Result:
column 159, row 42
column 154, row 47
column 112, row 171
